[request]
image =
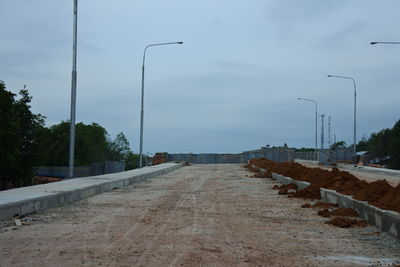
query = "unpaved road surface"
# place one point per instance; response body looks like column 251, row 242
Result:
column 199, row 215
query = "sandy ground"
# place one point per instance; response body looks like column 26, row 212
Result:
column 200, row 215
column 369, row 177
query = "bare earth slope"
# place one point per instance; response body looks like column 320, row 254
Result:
column 197, row 215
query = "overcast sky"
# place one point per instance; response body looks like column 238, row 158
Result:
column 233, row 84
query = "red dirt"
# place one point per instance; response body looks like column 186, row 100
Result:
column 379, row 193
column 324, row 213
column 284, row 189
column 325, row 205
column 346, row 222
column 345, row 212
column 45, row 180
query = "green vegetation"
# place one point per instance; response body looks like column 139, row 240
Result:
column 337, row 145
column 384, row 143
column 18, row 131
column 25, row 142
column 92, row 144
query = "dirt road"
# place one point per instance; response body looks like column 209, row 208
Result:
column 200, row 215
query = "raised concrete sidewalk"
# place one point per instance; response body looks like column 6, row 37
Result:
column 25, row 200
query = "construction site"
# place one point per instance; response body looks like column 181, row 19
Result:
column 263, row 213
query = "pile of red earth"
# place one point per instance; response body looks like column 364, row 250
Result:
column 379, row 193
column 45, row 180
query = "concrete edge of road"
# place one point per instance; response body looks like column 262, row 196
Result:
column 287, row 180
column 306, row 161
column 385, row 220
column 368, row 169
column 52, row 195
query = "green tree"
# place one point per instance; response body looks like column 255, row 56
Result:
column 91, row 144
column 384, row 143
column 119, row 148
column 18, row 131
column 131, row 161
column 339, row 144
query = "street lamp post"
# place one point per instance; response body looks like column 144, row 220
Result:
column 73, row 94
column 355, row 114
column 142, row 102
column 316, row 120
column 374, row 43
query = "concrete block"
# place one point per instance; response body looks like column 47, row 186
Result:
column 303, row 161
column 384, row 219
column 287, row 180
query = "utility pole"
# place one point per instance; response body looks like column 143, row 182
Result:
column 322, row 130
column 329, row 131
column 73, row 94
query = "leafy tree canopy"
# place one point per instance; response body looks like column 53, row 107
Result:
column 18, row 132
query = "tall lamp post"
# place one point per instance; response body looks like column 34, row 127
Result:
column 355, row 114
column 374, row 43
column 73, row 95
column 316, row 121
column 142, row 103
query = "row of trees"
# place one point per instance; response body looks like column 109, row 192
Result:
column 92, row 144
column 25, row 142
column 384, row 143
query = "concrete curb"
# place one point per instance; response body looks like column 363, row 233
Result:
column 306, row 161
column 384, row 219
column 287, row 180
column 367, row 169
column 26, row 200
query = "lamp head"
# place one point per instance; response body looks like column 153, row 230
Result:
column 329, row 75
column 179, row 42
column 373, row 43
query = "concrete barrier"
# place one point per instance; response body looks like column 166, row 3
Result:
column 367, row 169
column 303, row 161
column 287, row 180
column 26, row 200
column 386, row 220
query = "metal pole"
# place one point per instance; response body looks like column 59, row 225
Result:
column 316, row 130
column 355, row 112
column 355, row 122
column 142, row 101
column 374, row 43
column 316, row 123
column 73, row 94
column 322, row 131
column 142, row 115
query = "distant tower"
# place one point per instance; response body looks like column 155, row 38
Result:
column 329, row 131
column 334, row 137
column 322, row 130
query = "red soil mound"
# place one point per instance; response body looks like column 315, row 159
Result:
column 346, row 222
column 324, row 213
column 379, row 194
column 325, row 205
column 344, row 212
column 284, row 189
